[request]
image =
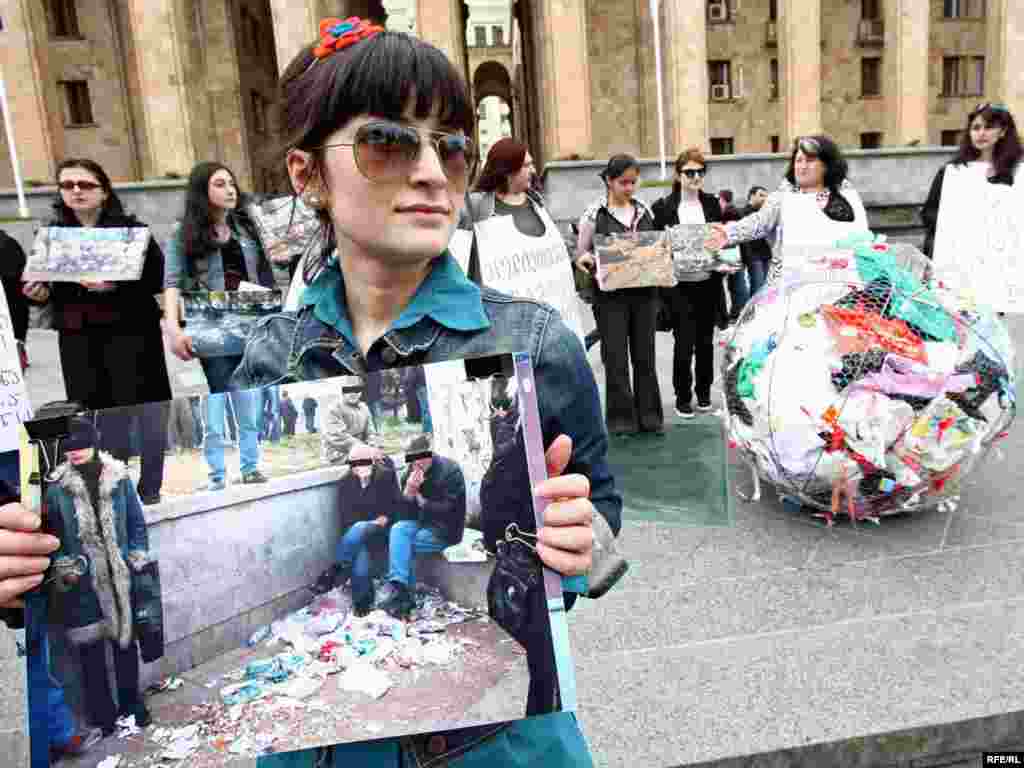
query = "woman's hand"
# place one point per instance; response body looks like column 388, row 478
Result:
column 38, row 292
column 565, row 542
column 23, row 553
column 99, row 286
column 181, row 344
column 382, row 521
column 586, row 263
column 717, row 239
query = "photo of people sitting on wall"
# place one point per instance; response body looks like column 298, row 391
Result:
column 381, row 581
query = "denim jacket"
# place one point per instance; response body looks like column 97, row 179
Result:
column 297, row 346
column 209, row 269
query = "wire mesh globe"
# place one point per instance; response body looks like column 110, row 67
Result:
column 859, row 388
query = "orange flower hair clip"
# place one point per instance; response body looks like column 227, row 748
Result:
column 336, row 34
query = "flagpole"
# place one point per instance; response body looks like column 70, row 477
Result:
column 22, row 204
column 661, row 90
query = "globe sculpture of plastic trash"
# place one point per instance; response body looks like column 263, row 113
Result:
column 859, row 388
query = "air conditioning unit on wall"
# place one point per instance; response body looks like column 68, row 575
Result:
column 719, row 92
column 718, row 11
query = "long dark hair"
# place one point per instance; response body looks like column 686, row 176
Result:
column 375, row 76
column 826, row 150
column 111, row 207
column 197, row 236
column 1007, row 151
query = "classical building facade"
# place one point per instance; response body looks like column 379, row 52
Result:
column 149, row 87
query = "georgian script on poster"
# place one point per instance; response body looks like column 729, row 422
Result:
column 979, row 240
column 14, row 403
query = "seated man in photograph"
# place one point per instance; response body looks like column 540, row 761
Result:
column 432, row 516
column 368, row 501
column 346, row 423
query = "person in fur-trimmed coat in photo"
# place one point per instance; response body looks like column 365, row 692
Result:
column 94, row 505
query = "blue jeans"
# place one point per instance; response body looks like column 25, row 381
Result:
column 353, row 552
column 739, row 293
column 49, row 721
column 246, row 405
column 758, row 271
column 421, row 396
column 406, row 540
column 272, row 430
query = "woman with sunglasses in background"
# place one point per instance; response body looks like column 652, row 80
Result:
column 108, row 333
column 698, row 299
column 626, row 318
column 989, row 143
column 814, row 206
column 216, row 247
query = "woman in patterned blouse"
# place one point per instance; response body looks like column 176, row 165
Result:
column 815, row 205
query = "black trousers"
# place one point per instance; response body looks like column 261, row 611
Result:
column 626, row 320
column 106, row 368
column 695, row 308
column 99, row 696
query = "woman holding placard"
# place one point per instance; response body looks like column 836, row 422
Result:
column 697, row 300
column 989, row 144
column 111, row 347
column 814, row 206
column 627, row 317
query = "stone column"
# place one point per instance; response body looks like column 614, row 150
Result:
column 1004, row 77
column 905, row 67
column 685, row 60
column 36, row 114
column 439, row 22
column 799, row 28
column 223, row 84
column 158, row 63
column 295, row 26
column 561, row 37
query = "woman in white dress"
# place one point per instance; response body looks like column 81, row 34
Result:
column 814, row 205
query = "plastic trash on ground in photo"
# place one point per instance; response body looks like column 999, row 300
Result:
column 858, row 387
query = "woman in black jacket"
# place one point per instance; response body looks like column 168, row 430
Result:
column 111, row 346
column 990, row 140
column 698, row 300
column 12, row 264
column 626, row 318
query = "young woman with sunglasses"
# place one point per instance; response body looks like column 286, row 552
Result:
column 101, row 325
column 626, row 318
column 814, row 205
column 216, row 247
column 378, row 125
column 991, row 144
column 698, row 300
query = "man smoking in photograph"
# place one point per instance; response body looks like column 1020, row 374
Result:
column 346, row 423
column 432, row 517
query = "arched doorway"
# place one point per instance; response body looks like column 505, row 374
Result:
column 492, row 94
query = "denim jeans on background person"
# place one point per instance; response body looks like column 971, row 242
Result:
column 424, row 401
column 50, row 722
column 246, row 405
column 271, row 424
column 757, row 274
column 406, row 540
column 353, row 552
column 739, row 292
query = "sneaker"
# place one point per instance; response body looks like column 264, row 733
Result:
column 400, row 604
column 684, row 411
column 143, row 719
column 79, row 744
column 704, row 406
column 363, row 609
column 254, row 477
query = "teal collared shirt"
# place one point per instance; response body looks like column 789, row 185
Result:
column 447, row 296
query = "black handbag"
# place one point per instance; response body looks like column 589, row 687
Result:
column 512, row 587
column 148, row 611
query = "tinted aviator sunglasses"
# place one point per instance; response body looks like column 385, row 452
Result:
column 387, row 151
column 85, row 186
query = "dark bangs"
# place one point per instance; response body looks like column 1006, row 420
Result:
column 378, row 76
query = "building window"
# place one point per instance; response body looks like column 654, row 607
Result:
column 871, row 140
column 722, row 146
column 719, row 11
column 481, row 36
column 963, row 76
column 720, row 79
column 773, row 10
column 950, row 138
column 963, row 9
column 870, row 10
column 77, row 104
column 773, row 79
column 63, row 17
column 499, row 35
column 775, row 143
column 870, row 77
